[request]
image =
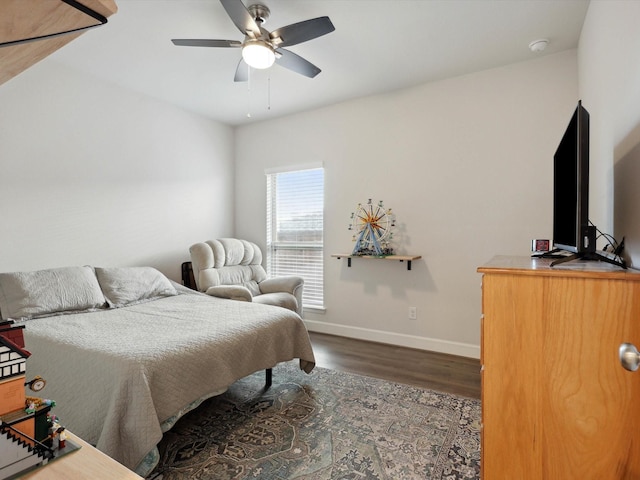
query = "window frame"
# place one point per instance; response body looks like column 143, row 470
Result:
column 313, row 293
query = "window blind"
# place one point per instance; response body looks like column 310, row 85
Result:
column 295, row 211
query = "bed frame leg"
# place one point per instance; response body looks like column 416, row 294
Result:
column 269, row 378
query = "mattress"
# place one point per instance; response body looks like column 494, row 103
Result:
column 120, row 377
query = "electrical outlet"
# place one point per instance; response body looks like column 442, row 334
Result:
column 413, row 313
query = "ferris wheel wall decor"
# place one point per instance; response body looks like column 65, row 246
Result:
column 372, row 225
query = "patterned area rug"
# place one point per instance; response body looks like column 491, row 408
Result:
column 326, row 425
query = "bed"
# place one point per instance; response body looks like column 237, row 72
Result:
column 125, row 352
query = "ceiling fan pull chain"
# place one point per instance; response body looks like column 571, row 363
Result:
column 249, row 92
column 269, row 92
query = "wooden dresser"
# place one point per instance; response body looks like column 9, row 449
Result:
column 556, row 402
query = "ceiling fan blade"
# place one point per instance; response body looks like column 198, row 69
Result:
column 241, row 16
column 290, row 60
column 302, row 31
column 242, row 72
column 194, row 42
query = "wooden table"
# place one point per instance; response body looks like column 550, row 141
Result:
column 87, row 462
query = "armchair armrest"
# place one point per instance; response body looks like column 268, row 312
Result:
column 281, row 284
column 291, row 284
column 232, row 292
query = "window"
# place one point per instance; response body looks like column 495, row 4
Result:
column 295, row 210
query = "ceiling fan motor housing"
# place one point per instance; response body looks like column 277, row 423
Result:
column 259, row 12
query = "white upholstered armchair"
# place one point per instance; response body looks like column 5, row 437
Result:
column 232, row 268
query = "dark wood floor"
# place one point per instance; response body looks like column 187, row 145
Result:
column 437, row 371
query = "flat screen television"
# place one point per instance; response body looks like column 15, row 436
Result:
column 571, row 229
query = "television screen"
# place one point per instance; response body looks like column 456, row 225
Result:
column 571, row 231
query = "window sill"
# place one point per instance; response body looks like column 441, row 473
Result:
column 320, row 310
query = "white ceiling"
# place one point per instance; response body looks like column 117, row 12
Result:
column 378, row 46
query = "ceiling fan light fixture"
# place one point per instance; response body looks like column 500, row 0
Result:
column 258, row 54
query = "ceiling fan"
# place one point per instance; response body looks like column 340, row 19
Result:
column 260, row 48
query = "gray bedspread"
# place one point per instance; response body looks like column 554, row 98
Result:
column 118, row 376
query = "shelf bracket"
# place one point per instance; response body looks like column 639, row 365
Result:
column 400, row 258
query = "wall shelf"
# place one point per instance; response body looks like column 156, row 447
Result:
column 397, row 258
column 24, row 19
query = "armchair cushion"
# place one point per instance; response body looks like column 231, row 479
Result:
column 279, row 299
column 228, row 262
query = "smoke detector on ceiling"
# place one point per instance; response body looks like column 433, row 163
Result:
column 538, row 46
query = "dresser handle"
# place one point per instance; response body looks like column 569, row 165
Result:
column 629, row 356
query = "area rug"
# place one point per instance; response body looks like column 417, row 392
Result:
column 326, row 425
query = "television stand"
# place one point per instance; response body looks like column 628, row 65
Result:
column 555, row 253
column 602, row 257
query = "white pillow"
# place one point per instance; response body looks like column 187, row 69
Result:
column 25, row 295
column 128, row 285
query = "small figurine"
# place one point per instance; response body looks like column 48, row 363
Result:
column 62, row 438
column 55, row 431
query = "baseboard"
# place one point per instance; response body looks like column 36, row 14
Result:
column 402, row 340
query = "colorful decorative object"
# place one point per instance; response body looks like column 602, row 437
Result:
column 29, row 435
column 372, row 226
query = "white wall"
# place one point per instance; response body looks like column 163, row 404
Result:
column 94, row 174
column 465, row 163
column 609, row 79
